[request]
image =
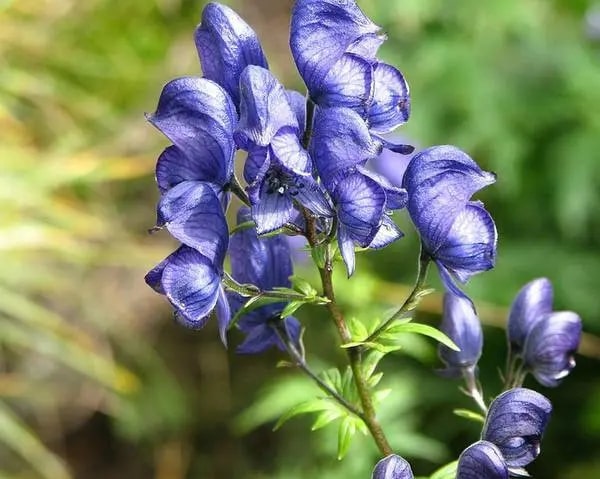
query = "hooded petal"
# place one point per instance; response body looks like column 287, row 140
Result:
column 533, row 302
column 515, row 423
column 198, row 116
column 340, row 142
column 387, row 233
column 226, row 45
column 192, row 285
column 193, row 214
column 264, row 108
column 154, row 277
column 461, row 324
column 390, row 107
column 481, row 460
column 298, row 103
column 322, row 31
column 440, row 181
column 392, row 467
column 551, row 345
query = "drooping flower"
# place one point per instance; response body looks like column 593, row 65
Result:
column 481, row 460
column 461, row 324
column 198, row 116
column 265, row 263
column 278, row 169
column 392, row 467
column 457, row 233
column 226, row 46
column 515, row 423
column 334, row 45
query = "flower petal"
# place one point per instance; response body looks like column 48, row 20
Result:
column 322, row 31
column 482, row 460
column 396, row 197
column 270, row 210
column 226, row 45
column 392, row 467
column 192, row 285
column 550, row 346
column 391, row 101
column 298, row 103
column 387, row 233
column 533, row 302
column 223, row 313
column 515, row 423
column 286, row 148
column 310, row 195
column 346, row 245
column 198, row 116
column 193, row 214
column 264, row 108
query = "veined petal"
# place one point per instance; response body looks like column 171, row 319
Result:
column 391, row 101
column 392, row 467
column 193, row 214
column 264, row 108
column 198, row 116
column 286, row 148
column 223, row 313
column 440, row 182
column 470, row 245
column 341, row 141
column 154, row 277
column 449, row 282
column 322, row 31
column 257, row 160
column 348, row 84
column 298, row 103
column 360, row 203
column 550, row 347
column 192, row 285
column 387, row 233
column 262, row 336
column 346, row 245
column 310, row 195
column 226, row 45
column 270, row 209
column 515, row 423
column 533, row 303
column 482, row 460
column 396, row 197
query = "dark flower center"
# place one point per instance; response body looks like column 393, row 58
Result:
column 282, row 183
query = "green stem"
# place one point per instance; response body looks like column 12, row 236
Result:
column 247, row 290
column 412, row 301
column 236, row 188
column 474, row 388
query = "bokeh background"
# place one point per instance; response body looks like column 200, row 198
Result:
column 96, row 380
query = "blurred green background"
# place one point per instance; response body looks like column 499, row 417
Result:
column 96, row 381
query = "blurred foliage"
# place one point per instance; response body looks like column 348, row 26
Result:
column 513, row 82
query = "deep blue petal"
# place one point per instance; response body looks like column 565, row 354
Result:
column 449, row 281
column 440, row 182
column 550, row 346
column 482, row 460
column 515, row 423
column 311, row 195
column 289, row 153
column 392, row 467
column 341, row 141
column 198, row 116
column 154, row 277
column 255, row 161
column 226, row 45
column 322, row 31
column 346, row 246
column 461, row 324
column 264, row 108
column 192, row 285
column 390, row 107
column 223, row 313
column 533, row 302
column 193, row 214
column 361, row 204
column 387, row 233
column 396, row 197
column 298, row 103
column 270, row 209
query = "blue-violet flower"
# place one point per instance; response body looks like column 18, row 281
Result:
column 392, row 467
column 481, row 460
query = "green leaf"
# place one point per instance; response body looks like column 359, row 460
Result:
column 380, row 395
column 291, row 308
column 346, row 432
column 319, row 255
column 446, row 472
column 303, row 286
column 471, row 415
column 326, row 417
column 370, row 362
column 242, row 226
column 425, row 330
column 358, row 330
column 374, row 379
column 312, row 405
column 252, row 304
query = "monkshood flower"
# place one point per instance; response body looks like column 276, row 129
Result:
column 482, row 460
column 198, row 116
column 334, row 45
column 191, row 276
column 341, row 146
column 265, row 263
column 515, row 423
column 545, row 340
column 226, row 46
column 461, row 324
column 392, row 467
column 278, row 169
column 458, row 234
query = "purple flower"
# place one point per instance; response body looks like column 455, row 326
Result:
column 457, row 233
column 515, row 423
column 481, row 460
column 198, row 116
column 546, row 340
column 265, row 263
column 278, row 170
column 392, row 467
column 226, row 46
column 334, row 45
column 191, row 276
column 461, row 324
